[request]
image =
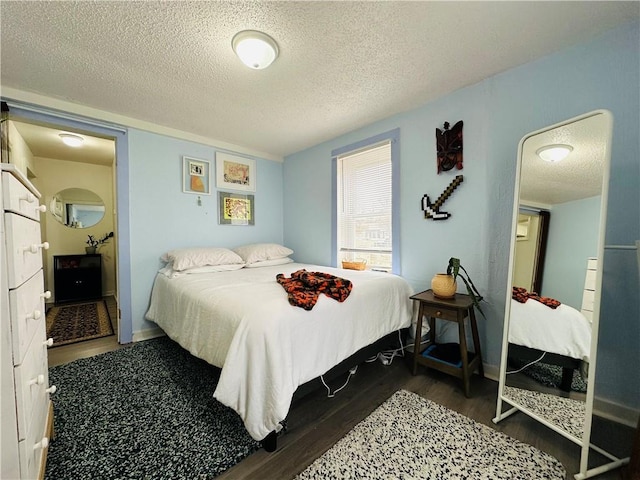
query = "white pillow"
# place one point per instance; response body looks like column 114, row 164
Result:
column 184, row 258
column 171, row 273
column 270, row 263
column 258, row 252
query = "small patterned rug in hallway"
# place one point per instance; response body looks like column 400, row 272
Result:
column 75, row 323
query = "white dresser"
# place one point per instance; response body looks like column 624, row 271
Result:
column 589, row 292
column 27, row 412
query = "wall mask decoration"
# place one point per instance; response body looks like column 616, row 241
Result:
column 432, row 210
column 449, row 145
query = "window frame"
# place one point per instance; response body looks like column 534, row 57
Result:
column 393, row 137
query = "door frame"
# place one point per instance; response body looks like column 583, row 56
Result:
column 120, row 136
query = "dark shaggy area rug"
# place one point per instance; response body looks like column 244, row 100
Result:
column 550, row 375
column 145, row 411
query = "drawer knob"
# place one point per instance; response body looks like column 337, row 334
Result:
column 46, row 295
column 42, row 208
column 44, row 443
column 438, row 313
column 48, row 342
column 35, row 248
column 51, row 390
column 39, row 380
column 29, row 198
column 35, row 315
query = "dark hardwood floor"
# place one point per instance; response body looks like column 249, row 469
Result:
column 316, row 422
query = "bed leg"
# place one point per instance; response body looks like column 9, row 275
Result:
column 270, row 442
column 567, row 378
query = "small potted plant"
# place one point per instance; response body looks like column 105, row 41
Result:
column 444, row 285
column 94, row 243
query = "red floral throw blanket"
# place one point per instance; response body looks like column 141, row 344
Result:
column 521, row 295
column 304, row 287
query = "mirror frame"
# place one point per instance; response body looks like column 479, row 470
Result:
column 584, row 442
column 58, row 218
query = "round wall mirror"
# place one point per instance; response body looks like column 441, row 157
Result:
column 77, row 208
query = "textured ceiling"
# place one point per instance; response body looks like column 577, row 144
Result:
column 342, row 65
column 45, row 142
column 578, row 176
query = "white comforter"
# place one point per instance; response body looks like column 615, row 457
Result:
column 242, row 321
column 563, row 330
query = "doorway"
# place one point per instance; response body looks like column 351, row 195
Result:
column 531, row 247
column 104, row 169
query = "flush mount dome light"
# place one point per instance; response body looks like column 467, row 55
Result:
column 257, row 50
column 71, row 139
column 554, row 153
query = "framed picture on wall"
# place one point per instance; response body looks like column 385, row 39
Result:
column 196, row 176
column 235, row 173
column 236, row 209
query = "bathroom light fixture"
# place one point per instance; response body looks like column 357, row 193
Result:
column 257, row 50
column 71, row 139
column 554, row 153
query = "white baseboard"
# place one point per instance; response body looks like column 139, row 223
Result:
column 492, row 372
column 148, row 334
column 601, row 407
column 614, row 411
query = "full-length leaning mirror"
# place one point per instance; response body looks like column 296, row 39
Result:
column 552, row 307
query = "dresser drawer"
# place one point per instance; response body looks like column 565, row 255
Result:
column 590, row 280
column 31, row 448
column 18, row 198
column 27, row 309
column 31, row 383
column 24, row 248
column 588, row 299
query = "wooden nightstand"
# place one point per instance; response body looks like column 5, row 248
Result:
column 452, row 310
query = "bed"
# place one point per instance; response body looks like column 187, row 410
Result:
column 242, row 322
column 563, row 334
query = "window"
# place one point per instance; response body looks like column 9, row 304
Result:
column 364, row 201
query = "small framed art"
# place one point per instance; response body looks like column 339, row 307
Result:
column 196, row 176
column 236, row 209
column 235, row 173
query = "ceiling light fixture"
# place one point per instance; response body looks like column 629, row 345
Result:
column 71, row 139
column 554, row 153
column 257, row 50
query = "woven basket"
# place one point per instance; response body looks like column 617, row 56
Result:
column 357, row 265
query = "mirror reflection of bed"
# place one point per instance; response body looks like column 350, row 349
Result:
column 552, row 315
column 548, row 344
column 554, row 257
column 554, row 272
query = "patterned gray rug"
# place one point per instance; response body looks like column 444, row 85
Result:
column 143, row 412
column 411, row 437
column 566, row 413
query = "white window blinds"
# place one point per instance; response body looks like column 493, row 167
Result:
column 365, row 206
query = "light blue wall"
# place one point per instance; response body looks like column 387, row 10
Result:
column 573, row 237
column 601, row 74
column 163, row 218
